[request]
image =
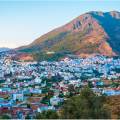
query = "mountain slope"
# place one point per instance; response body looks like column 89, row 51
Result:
column 90, row 33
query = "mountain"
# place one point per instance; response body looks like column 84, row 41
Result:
column 91, row 33
column 4, row 49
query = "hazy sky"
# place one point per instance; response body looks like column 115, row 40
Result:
column 21, row 22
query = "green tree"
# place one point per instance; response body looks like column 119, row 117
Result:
column 71, row 89
column 85, row 106
column 5, row 116
column 46, row 99
column 90, row 85
column 47, row 115
column 28, row 106
column 28, row 117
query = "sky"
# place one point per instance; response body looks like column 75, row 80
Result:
column 22, row 21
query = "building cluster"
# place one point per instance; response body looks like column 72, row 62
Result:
column 27, row 88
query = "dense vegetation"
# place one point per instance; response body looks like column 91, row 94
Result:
column 47, row 115
column 87, row 105
column 5, row 116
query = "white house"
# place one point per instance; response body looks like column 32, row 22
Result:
column 18, row 96
column 55, row 100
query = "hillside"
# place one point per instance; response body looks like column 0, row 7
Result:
column 113, row 104
column 90, row 33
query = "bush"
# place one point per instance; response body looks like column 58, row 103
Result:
column 47, row 115
column 5, row 117
column 85, row 106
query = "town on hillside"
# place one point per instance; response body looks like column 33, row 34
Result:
column 30, row 87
